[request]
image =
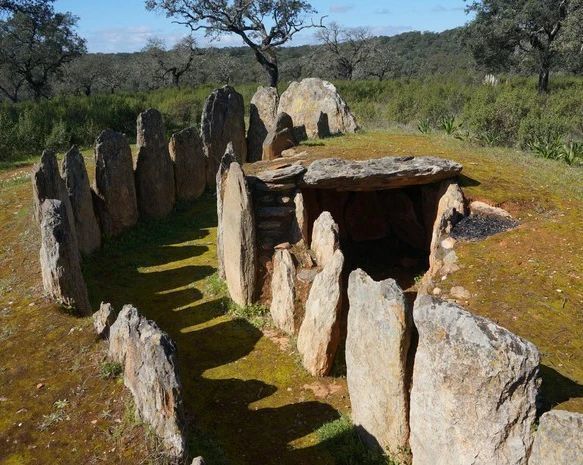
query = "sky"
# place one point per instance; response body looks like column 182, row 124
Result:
column 126, row 25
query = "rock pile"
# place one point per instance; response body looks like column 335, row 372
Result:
column 148, row 357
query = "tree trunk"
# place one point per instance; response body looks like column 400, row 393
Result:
column 268, row 60
column 543, row 80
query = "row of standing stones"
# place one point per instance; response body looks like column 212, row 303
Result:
column 74, row 216
column 428, row 382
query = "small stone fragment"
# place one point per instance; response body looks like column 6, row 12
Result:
column 103, row 319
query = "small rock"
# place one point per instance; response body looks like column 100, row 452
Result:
column 437, row 291
column 482, row 208
column 103, row 319
column 460, row 293
column 198, row 461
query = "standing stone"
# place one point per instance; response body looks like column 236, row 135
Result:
column 325, row 238
column 379, row 334
column 114, row 187
column 60, row 260
column 223, row 121
column 47, row 183
column 558, row 439
column 283, row 292
column 189, row 164
column 103, row 319
column 319, row 334
column 228, row 158
column 79, row 190
column 154, row 169
column 280, row 137
column 148, row 356
column 238, row 224
column 474, row 389
column 300, row 220
column 262, row 116
column 317, row 109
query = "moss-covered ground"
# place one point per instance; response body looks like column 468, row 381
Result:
column 248, row 401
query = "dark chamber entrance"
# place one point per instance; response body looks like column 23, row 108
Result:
column 387, row 233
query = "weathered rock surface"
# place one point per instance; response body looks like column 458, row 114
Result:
column 558, row 439
column 103, row 319
column 77, row 184
column 47, row 183
column 148, row 356
column 378, row 339
column 280, row 137
column 198, row 461
column 223, row 121
column 283, row 291
column 325, row 238
column 60, row 260
column 189, row 164
column 239, row 245
column 378, row 174
column 319, row 334
column 262, row 117
column 474, row 389
column 316, row 109
column 482, row 208
column 228, row 158
column 300, row 220
column 115, row 190
column 154, row 168
column 282, row 174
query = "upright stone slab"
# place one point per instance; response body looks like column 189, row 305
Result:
column 148, row 356
column 154, row 169
column 262, row 117
column 283, row 291
column 47, row 183
column 240, row 248
column 115, row 191
column 279, row 138
column 474, row 389
column 319, row 334
column 189, row 164
column 60, row 260
column 558, row 439
column 317, row 109
column 377, row 344
column 325, row 238
column 223, row 121
column 228, row 158
column 79, row 190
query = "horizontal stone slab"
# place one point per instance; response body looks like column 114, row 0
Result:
column 283, row 174
column 377, row 174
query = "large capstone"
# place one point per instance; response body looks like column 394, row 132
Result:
column 558, row 439
column 189, row 164
column 378, row 174
column 474, row 389
column 148, row 356
column 223, row 121
column 316, row 109
column 262, row 117
column 60, row 260
column 79, row 190
column 238, row 236
column 114, row 187
column 377, row 344
column 319, row 334
column 47, row 183
column 325, row 238
column 283, row 291
column 154, row 168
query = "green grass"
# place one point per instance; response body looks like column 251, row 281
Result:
column 110, row 370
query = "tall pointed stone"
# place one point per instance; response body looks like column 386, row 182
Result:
column 377, row 345
column 79, row 190
column 60, row 260
column 223, row 121
column 262, row 117
column 115, row 191
column 228, row 158
column 319, row 334
column 154, row 168
column 189, row 164
column 283, row 291
column 240, row 248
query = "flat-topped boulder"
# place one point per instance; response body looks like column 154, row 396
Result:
column 378, row 174
column 283, row 174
